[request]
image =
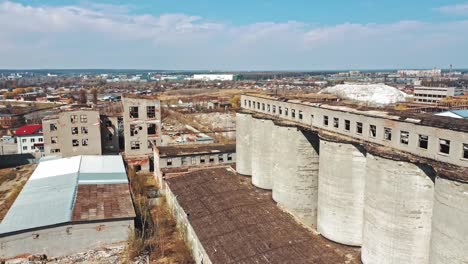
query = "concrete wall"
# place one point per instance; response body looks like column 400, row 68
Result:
column 65, row 240
column 85, row 120
column 342, row 171
column 198, row 252
column 313, row 116
column 295, row 170
column 449, row 239
column 140, row 125
column 110, row 134
column 262, row 153
column 398, row 212
column 244, row 144
column 195, row 160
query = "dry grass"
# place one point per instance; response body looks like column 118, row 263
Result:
column 11, row 184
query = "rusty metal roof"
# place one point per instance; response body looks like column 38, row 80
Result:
column 238, row 223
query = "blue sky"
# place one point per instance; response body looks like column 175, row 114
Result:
column 234, row 35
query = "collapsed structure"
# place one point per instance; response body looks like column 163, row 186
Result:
column 69, row 205
column 395, row 185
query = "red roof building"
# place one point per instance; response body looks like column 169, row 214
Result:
column 28, row 130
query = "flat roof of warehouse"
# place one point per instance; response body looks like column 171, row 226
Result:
column 239, row 223
column 195, row 149
column 50, row 195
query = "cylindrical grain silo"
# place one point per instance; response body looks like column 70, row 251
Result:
column 243, row 144
column 397, row 212
column 342, row 170
column 262, row 153
column 449, row 238
column 295, row 170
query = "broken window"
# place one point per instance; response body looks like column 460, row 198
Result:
column 336, row 122
column 404, row 137
column 75, row 142
column 73, row 119
column 300, row 115
column 211, row 159
column 250, row 103
column 373, row 131
column 359, row 128
column 151, row 143
column 151, row 129
column 134, row 129
column 74, row 130
column 135, row 144
column 286, row 111
column 245, row 102
column 220, row 158
column 83, row 118
column 84, row 130
column 325, row 120
column 268, row 107
column 280, row 111
column 84, row 142
column 202, row 160
column 465, row 151
column 183, row 161
column 229, row 156
column 387, row 133
column 274, row 109
column 55, row 151
column 347, row 125
column 133, row 111
column 169, row 162
column 53, row 140
column 151, row 111
column 293, row 113
column 423, row 141
column 52, row 127
column 263, row 106
column 444, row 146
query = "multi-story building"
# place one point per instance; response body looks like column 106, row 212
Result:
column 30, row 139
column 71, row 133
column 430, row 95
column 142, row 129
column 10, row 120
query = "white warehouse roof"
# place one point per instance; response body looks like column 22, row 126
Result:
column 49, row 195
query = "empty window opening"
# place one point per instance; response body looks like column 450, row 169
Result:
column 54, row 140
column 73, row 119
column 74, row 130
column 202, row 160
column 133, row 111
column 444, row 146
column 387, row 133
column 134, row 130
column 347, row 125
column 137, row 168
column 268, row 107
column 84, row 142
column 372, row 131
column 183, row 161
column 151, row 111
column 336, row 122
column 83, row 118
column 55, row 151
column 258, row 105
column 311, row 119
column 169, row 162
column 75, row 142
column 423, row 141
column 280, row 111
column 286, row 111
column 293, row 113
column 229, row 157
column 404, row 137
column 221, row 158
column 465, row 151
column 263, row 106
column 151, row 129
column 52, row 127
column 211, row 159
column 84, row 130
column 359, row 128
column 135, row 144
column 274, row 109
column 325, row 120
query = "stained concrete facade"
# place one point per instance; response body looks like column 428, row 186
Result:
column 72, row 133
column 110, row 134
column 376, row 177
column 65, row 239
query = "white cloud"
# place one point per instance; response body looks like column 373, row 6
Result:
column 458, row 9
column 106, row 36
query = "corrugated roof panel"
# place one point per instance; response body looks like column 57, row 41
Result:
column 42, row 202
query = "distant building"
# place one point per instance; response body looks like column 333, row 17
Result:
column 431, row 95
column 214, row 77
column 420, row 73
column 10, row 120
column 69, row 205
column 455, row 114
column 29, row 139
column 142, row 129
column 72, row 133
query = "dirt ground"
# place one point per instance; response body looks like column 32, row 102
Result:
column 11, row 184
